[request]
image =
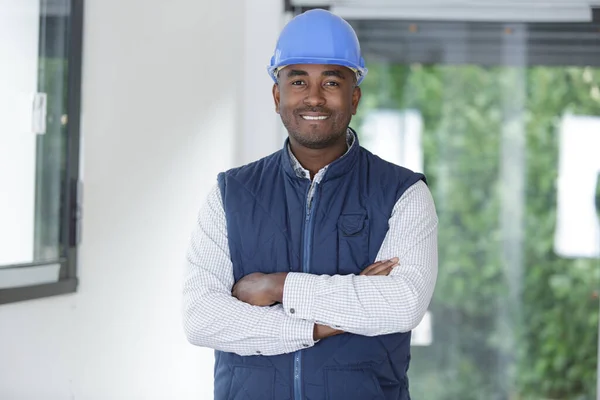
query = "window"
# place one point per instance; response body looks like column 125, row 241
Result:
column 40, row 196
column 504, row 119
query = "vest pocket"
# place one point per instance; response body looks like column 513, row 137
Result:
column 252, row 383
column 353, row 243
column 352, row 383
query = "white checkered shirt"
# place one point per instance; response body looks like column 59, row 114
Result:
column 364, row 305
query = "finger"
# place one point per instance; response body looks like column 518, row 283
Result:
column 378, row 269
column 385, row 272
column 382, row 272
column 374, row 265
column 370, row 268
column 384, row 266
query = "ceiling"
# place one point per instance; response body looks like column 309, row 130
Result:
column 464, row 10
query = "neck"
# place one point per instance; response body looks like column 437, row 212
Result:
column 315, row 159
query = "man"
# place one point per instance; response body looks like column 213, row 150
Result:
column 282, row 280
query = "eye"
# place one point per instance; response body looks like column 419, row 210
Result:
column 332, row 83
column 297, row 83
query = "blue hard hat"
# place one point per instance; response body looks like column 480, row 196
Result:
column 318, row 37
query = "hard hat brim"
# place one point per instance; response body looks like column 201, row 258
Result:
column 272, row 69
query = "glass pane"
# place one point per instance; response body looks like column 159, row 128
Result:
column 51, row 147
column 512, row 158
column 33, row 36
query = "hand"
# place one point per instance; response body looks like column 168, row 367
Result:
column 260, row 289
column 381, row 267
column 324, row 331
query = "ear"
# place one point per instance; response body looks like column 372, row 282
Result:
column 276, row 97
column 356, row 95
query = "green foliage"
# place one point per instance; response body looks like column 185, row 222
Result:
column 512, row 320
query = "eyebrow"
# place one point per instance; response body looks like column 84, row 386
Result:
column 337, row 73
column 297, row 72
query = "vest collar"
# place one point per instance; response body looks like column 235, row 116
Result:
column 336, row 169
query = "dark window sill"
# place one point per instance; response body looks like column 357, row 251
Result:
column 25, row 293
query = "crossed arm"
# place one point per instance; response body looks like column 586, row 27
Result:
column 309, row 307
column 263, row 290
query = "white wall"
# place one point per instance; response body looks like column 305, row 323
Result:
column 262, row 130
column 163, row 109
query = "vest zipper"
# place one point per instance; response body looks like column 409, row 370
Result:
column 307, row 248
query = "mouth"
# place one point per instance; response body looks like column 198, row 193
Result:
column 314, row 117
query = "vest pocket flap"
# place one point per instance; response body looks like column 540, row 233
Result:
column 352, row 383
column 351, row 224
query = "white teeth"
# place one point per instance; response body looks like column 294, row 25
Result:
column 311, row 118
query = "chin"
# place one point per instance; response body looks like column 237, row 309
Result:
column 315, row 140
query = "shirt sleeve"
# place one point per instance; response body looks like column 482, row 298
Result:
column 212, row 317
column 378, row 305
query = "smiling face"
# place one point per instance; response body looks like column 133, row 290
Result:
column 316, row 103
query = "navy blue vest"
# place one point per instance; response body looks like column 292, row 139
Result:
column 269, row 230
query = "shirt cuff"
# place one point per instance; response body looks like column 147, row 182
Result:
column 297, row 334
column 298, row 295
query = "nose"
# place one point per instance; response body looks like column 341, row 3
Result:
column 314, row 97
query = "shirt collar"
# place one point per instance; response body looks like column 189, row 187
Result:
column 302, row 172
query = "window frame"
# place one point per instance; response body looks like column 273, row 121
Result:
column 70, row 225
